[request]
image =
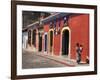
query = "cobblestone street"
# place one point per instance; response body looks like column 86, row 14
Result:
column 32, row 60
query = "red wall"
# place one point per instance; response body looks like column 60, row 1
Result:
column 46, row 27
column 57, row 40
column 57, row 45
column 79, row 26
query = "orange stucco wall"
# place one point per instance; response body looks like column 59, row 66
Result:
column 79, row 26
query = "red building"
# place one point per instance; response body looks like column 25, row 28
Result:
column 58, row 34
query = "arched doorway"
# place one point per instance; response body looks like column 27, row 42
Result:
column 65, row 42
column 34, row 38
column 51, row 41
column 29, row 37
column 45, row 42
column 40, row 42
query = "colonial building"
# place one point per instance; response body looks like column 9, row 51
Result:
column 58, row 34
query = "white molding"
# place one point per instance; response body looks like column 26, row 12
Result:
column 51, row 53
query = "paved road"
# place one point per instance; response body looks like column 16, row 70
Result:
column 32, row 60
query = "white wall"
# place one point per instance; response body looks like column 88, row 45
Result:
column 5, row 44
column 24, row 39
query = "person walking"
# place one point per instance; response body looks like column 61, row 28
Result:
column 79, row 49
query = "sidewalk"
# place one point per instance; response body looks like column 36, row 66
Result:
column 58, row 59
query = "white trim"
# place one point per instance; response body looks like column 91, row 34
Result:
column 51, row 53
column 37, row 40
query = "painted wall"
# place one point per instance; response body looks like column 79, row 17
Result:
column 56, row 38
column 79, row 33
column 79, row 25
column 24, row 39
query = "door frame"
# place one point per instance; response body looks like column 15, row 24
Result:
column 40, row 48
column 65, row 28
column 34, row 31
column 44, row 42
column 51, row 53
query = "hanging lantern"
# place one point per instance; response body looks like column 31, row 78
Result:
column 65, row 21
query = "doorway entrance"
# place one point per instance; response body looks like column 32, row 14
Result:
column 45, row 42
column 40, row 42
column 65, row 42
column 34, row 38
column 51, row 41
